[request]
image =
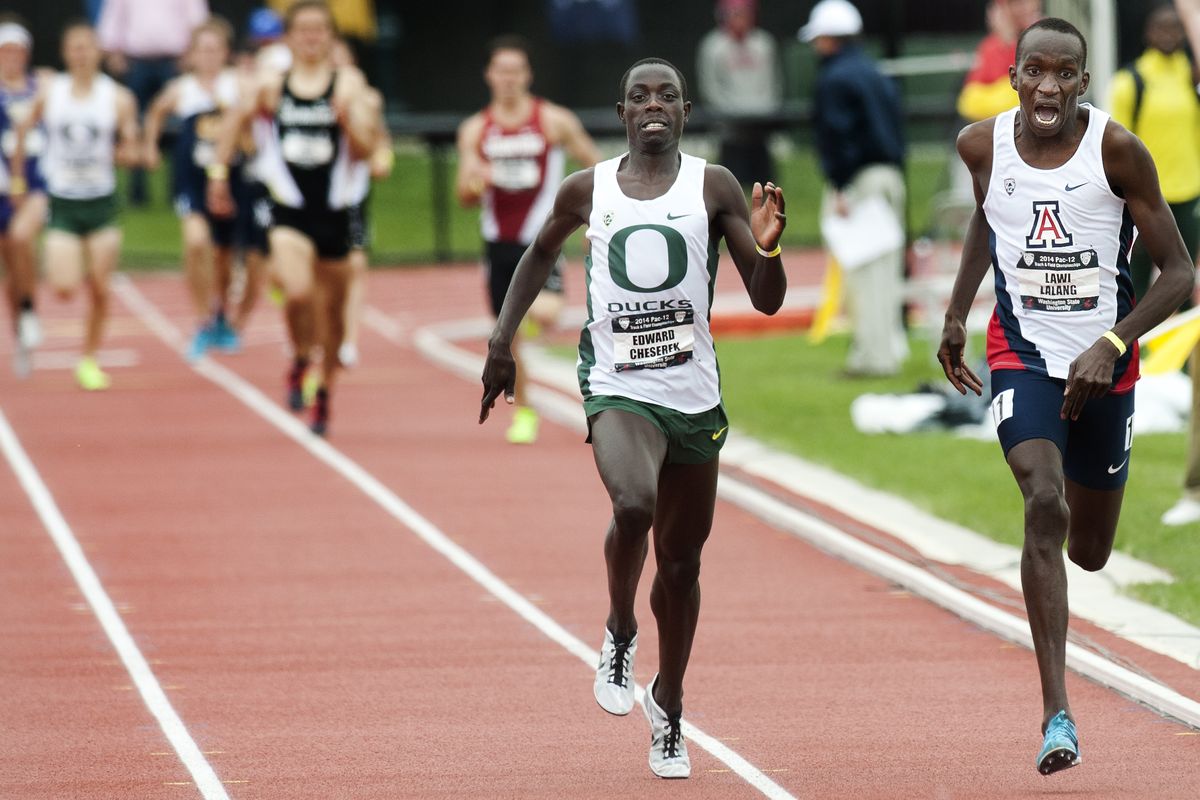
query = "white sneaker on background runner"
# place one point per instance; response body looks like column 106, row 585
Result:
column 348, row 354
column 668, row 751
column 29, row 330
column 613, row 687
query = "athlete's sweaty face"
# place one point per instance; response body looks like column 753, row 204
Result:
column 311, row 35
column 209, row 53
column 508, row 75
column 80, row 50
column 654, row 110
column 1049, row 77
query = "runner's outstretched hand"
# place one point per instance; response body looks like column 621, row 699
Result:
column 499, row 375
column 767, row 219
column 950, row 354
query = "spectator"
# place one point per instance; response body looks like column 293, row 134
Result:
column 987, row 91
column 143, row 41
column 860, row 140
column 1155, row 98
column 741, row 80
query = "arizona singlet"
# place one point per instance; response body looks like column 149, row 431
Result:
column 80, row 131
column 650, row 274
column 526, row 172
column 1060, row 244
column 200, row 113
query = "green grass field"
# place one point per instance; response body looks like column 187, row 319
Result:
column 788, row 392
column 403, row 211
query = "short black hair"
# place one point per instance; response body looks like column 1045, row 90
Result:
column 1058, row 26
column 509, row 41
column 678, row 73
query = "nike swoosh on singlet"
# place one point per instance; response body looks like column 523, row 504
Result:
column 1114, row 470
column 1071, row 188
column 717, row 435
column 680, row 216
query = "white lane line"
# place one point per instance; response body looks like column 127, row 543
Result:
column 432, row 342
column 110, row 620
column 408, row 516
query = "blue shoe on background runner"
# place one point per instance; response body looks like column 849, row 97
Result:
column 1060, row 748
column 225, row 338
column 201, row 342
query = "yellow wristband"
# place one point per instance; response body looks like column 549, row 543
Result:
column 17, row 185
column 217, row 172
column 778, row 249
column 1116, row 341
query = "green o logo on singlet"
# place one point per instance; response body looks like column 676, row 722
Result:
column 676, row 258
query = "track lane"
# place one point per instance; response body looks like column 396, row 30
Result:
column 312, row 687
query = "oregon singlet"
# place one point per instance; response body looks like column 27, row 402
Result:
column 200, row 112
column 306, row 163
column 526, row 172
column 650, row 279
column 80, row 132
column 1060, row 244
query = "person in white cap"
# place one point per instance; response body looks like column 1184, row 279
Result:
column 860, row 141
column 20, row 227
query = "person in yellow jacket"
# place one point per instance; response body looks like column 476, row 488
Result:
column 1167, row 119
column 1155, row 98
column 355, row 19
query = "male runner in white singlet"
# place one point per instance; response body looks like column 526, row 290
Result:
column 91, row 125
column 1059, row 188
column 648, row 370
column 511, row 157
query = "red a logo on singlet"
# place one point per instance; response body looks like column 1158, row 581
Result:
column 1048, row 229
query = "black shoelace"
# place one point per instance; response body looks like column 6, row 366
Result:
column 671, row 740
column 619, row 664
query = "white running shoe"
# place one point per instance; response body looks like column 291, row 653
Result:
column 1185, row 512
column 668, row 751
column 29, row 330
column 348, row 354
column 614, row 675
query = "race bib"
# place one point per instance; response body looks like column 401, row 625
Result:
column 35, row 143
column 306, row 150
column 654, row 340
column 1059, row 282
column 516, row 174
column 203, row 153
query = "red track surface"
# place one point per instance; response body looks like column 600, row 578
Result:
column 317, row 649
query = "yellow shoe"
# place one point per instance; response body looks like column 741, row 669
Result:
column 277, row 297
column 524, row 426
column 312, row 382
column 90, row 377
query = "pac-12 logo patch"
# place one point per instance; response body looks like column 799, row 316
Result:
column 1010, row 186
column 1048, row 229
column 607, row 218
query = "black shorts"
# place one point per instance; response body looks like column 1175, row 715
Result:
column 501, row 260
column 329, row 229
column 1095, row 448
column 253, row 215
column 360, row 226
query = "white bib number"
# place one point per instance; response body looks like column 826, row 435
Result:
column 305, row 150
column 655, row 340
column 516, row 174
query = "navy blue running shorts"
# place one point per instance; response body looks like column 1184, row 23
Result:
column 1095, row 448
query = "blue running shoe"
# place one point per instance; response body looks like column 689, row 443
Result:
column 225, row 338
column 201, row 342
column 1060, row 748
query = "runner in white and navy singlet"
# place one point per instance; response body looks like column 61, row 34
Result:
column 1060, row 245
column 1059, row 188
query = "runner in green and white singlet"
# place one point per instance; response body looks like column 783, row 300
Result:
column 85, row 112
column 648, row 369
column 650, row 281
